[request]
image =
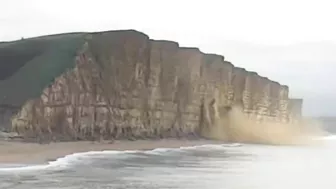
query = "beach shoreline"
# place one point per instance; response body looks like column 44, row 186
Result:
column 13, row 152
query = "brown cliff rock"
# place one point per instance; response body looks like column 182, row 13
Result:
column 283, row 114
column 125, row 85
column 241, row 89
column 162, row 86
column 274, row 95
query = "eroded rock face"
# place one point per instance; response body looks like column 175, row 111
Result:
column 125, row 85
column 283, row 114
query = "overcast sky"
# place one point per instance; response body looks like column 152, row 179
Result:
column 291, row 41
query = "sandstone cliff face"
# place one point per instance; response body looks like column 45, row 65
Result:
column 125, row 85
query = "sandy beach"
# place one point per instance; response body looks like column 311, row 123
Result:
column 33, row 153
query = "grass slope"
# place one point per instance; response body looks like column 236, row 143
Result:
column 28, row 66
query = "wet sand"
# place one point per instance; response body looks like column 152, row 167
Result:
column 32, row 153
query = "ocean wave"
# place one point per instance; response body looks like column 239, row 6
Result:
column 71, row 159
column 63, row 162
column 159, row 151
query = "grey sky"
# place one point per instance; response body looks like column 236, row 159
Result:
column 290, row 41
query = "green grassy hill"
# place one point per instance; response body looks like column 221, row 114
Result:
column 28, row 66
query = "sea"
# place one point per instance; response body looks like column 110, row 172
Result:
column 222, row 166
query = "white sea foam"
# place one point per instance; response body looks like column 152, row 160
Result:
column 71, row 159
column 158, row 151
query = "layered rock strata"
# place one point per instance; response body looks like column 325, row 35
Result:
column 121, row 84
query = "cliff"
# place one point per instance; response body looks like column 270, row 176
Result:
column 122, row 84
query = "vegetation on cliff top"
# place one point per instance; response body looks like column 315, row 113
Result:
column 28, row 66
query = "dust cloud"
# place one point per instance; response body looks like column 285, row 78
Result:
column 235, row 126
